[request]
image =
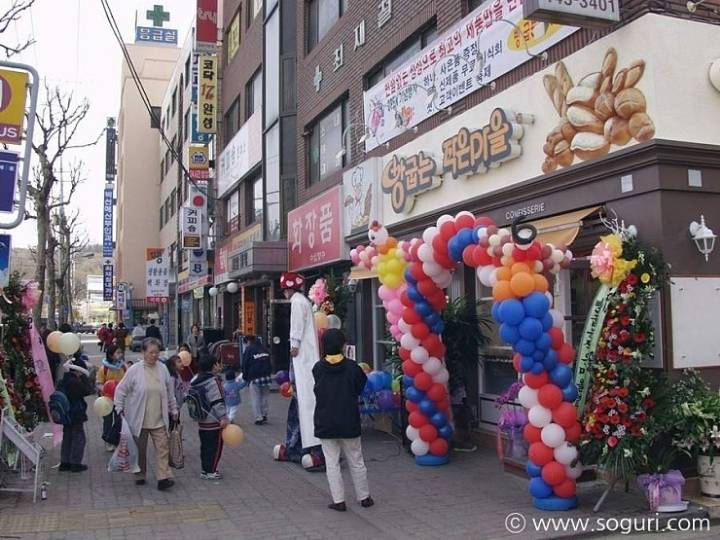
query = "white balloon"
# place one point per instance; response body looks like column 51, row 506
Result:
column 464, row 213
column 409, row 342
column 481, row 233
column 419, row 355
column 557, row 317
column 538, row 267
column 432, row 269
column 528, row 397
column 484, row 274
column 493, row 277
column 419, row 447
column 539, row 416
column 566, row 453
column 494, row 240
column 549, row 296
column 232, row 287
column 213, row 291
column 403, row 326
column 557, row 256
column 429, row 234
column 507, row 249
column 443, row 377
column 412, row 433
column 425, row 253
column 504, row 232
column 444, row 219
column 69, row 343
column 574, row 472
column 433, row 366
column 444, row 281
column 569, row 254
column 553, row 435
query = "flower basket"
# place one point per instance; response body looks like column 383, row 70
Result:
column 662, row 490
column 709, row 472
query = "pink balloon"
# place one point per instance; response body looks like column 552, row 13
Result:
column 393, row 318
column 395, row 306
column 386, row 293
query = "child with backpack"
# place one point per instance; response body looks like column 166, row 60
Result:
column 257, row 368
column 112, row 369
column 206, row 405
column 232, row 387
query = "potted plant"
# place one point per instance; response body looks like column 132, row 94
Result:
column 694, row 418
column 662, row 485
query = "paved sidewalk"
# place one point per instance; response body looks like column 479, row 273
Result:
column 261, row 498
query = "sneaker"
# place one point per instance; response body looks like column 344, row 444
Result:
column 166, row 484
column 464, row 447
column 140, row 482
column 339, row 507
column 109, row 448
column 64, row 467
column 367, row 502
column 265, row 419
column 211, row 476
column 78, row 468
column 259, row 422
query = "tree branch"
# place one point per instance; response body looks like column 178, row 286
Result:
column 14, row 14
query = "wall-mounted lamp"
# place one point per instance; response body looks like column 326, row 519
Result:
column 213, row 291
column 340, row 154
column 525, row 118
column 692, row 6
column 714, row 74
column 703, row 237
column 232, row 287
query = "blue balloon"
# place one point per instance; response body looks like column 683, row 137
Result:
column 409, row 277
column 509, row 334
column 547, row 322
column 526, row 364
column 427, row 407
column 538, row 368
column 544, row 342
column 539, row 488
column 551, row 357
column 524, row 347
column 414, row 294
column 423, row 308
column 367, row 389
column 466, row 238
column 446, row 432
column 433, row 319
column 536, row 305
column 386, row 400
column 561, row 375
column 438, row 328
column 570, row 393
column 407, row 381
column 550, row 362
column 495, row 312
column 439, row 419
column 455, row 249
column 376, row 380
column 538, row 356
column 530, row 329
column 532, row 469
column 512, row 311
column 414, row 395
column 387, row 380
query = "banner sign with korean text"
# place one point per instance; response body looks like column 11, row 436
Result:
column 156, row 36
column 199, row 162
column 187, row 283
column 8, row 179
column 108, row 287
column 315, row 231
column 5, row 250
column 474, row 52
column 206, row 25
column 240, row 155
column 13, row 90
column 110, row 142
column 108, row 221
column 207, row 93
column 157, row 276
column 361, row 196
column 190, row 227
column 121, row 298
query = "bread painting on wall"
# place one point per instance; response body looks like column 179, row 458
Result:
column 602, row 109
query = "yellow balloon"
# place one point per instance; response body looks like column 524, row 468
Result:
column 53, row 341
column 103, row 406
column 185, row 358
column 321, row 320
column 233, row 435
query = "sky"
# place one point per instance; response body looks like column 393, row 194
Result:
column 76, row 51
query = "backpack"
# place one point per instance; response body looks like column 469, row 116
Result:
column 197, row 403
column 59, row 406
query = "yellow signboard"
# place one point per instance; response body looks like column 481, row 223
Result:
column 12, row 105
column 199, row 162
column 207, row 95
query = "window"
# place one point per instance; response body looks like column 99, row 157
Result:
column 254, row 200
column 174, row 102
column 167, row 160
column 271, row 103
column 232, row 38
column 155, row 117
column 173, row 145
column 166, row 120
column 232, row 120
column 233, row 212
column 253, row 94
column 162, row 217
column 173, row 196
column 187, row 70
column 401, row 55
column 162, row 170
column 253, row 10
column 328, row 153
column 272, row 182
column 173, row 250
column 322, row 15
column 186, row 124
column 167, row 209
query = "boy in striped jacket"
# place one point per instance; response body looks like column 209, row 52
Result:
column 211, row 443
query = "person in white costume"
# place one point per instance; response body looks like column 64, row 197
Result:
column 301, row 445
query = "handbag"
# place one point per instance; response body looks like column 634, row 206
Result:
column 177, row 456
column 125, row 457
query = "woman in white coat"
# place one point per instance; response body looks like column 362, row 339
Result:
column 145, row 398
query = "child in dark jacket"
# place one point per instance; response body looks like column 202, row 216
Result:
column 76, row 385
column 211, row 443
column 257, row 368
column 338, row 384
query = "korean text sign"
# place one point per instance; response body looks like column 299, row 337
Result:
column 206, row 24
column 12, row 105
column 207, row 93
column 477, row 50
column 191, row 227
column 8, row 178
column 108, row 288
column 108, row 222
column 157, row 275
column 241, row 154
column 315, row 231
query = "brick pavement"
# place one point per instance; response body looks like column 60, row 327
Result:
column 260, row 498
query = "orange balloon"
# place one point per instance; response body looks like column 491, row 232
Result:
column 391, row 242
column 502, row 291
column 520, row 267
column 522, row 284
column 503, row 273
column 383, row 249
column 541, row 283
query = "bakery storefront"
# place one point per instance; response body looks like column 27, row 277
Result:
column 622, row 129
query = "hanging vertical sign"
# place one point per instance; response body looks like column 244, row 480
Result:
column 5, row 241
column 207, row 93
column 206, row 25
column 199, row 162
column 108, row 281
column 190, row 227
column 8, row 179
column 157, row 276
column 13, row 89
column 110, row 140
column 108, row 221
column 197, row 263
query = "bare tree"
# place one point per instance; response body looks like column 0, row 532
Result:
column 14, row 13
column 57, row 121
column 72, row 241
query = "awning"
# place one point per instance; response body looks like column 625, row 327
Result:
column 362, row 273
column 562, row 229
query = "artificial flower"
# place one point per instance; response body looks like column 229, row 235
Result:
column 645, row 278
column 612, row 442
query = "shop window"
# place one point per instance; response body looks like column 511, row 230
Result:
column 253, row 94
column 232, row 37
column 328, row 152
column 382, row 338
column 253, row 10
column 321, row 16
column 401, row 55
column 232, row 120
column 254, row 200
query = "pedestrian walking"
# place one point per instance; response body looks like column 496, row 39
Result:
column 338, row 385
column 188, row 372
column 145, row 398
column 101, row 333
column 153, row 331
column 174, row 365
column 108, row 336
column 121, row 334
column 232, row 387
column 112, row 369
column 208, row 391
column 196, row 342
column 256, row 371
column 76, row 385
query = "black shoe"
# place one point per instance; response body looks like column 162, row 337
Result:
column 339, row 507
column 140, row 482
column 367, row 503
column 78, row 468
column 165, row 484
column 259, row 422
column 64, row 467
column 264, row 419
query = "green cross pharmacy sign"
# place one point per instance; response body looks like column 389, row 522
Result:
column 156, row 34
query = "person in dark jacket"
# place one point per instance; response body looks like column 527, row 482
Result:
column 256, row 371
column 338, row 384
column 76, row 385
column 153, row 331
column 121, row 333
column 53, row 357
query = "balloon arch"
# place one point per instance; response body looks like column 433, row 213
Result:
column 413, row 276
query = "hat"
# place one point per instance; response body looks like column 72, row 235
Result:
column 291, row 280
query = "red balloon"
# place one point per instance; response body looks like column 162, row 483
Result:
column 411, row 316
column 557, row 337
column 566, row 489
column 286, row 390
column 532, row 433
column 448, row 230
column 566, row 354
column 417, row 419
column 411, row 369
column 423, row 381
column 481, row 257
column 428, row 433
column 484, row 221
column 539, row 453
column 554, row 473
column 436, row 392
column 443, row 405
column 433, row 345
column 516, row 361
column 572, row 434
column 417, row 272
column 534, row 252
column 439, row 246
column 536, row 381
column 550, row 396
column 109, row 389
column 420, row 330
column 404, row 354
column 469, row 255
column 465, row 221
column 427, row 288
column 545, row 251
column 439, row 447
column 519, row 254
column 405, row 299
column 565, row 414
column 411, row 406
column 497, row 261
